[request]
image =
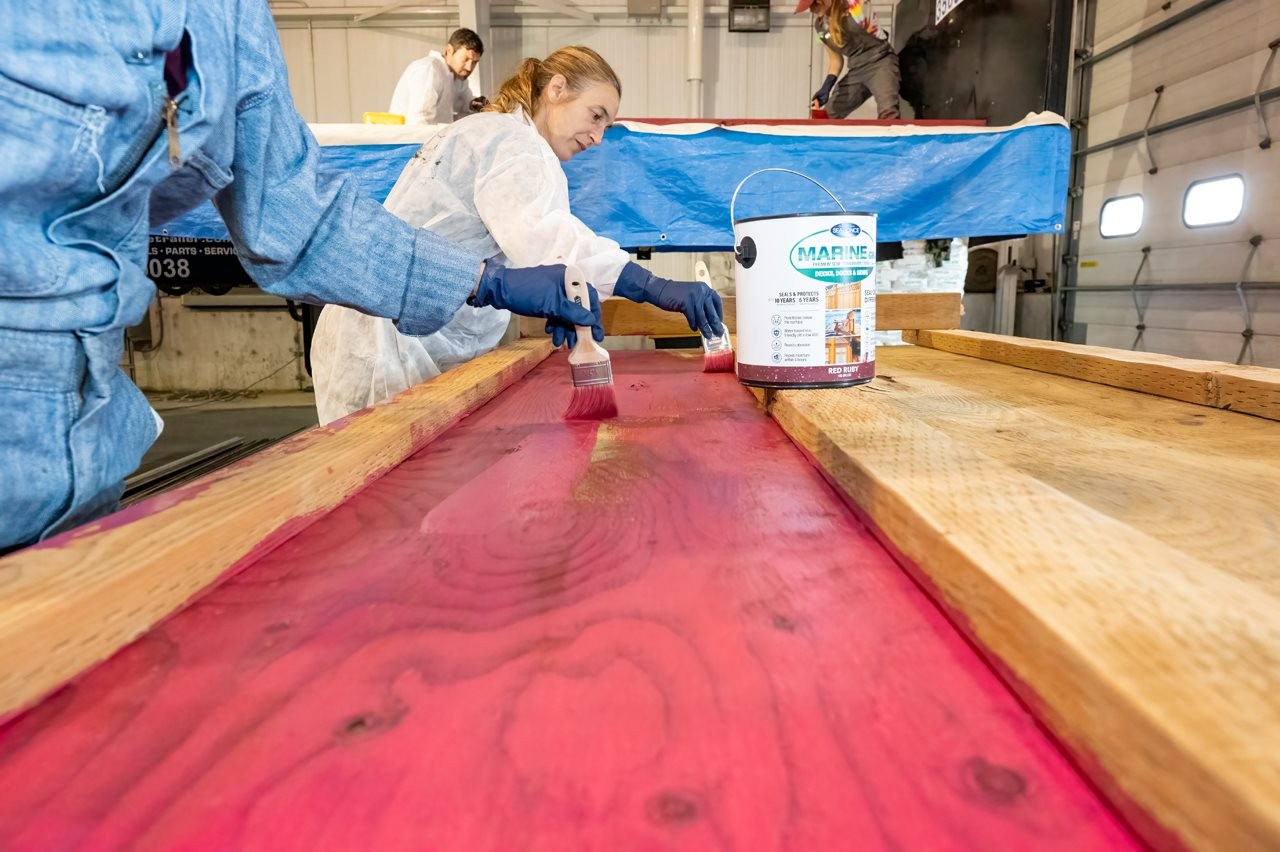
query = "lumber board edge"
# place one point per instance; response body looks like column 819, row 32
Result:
column 1183, row 741
column 1249, row 390
column 73, row 601
column 894, row 312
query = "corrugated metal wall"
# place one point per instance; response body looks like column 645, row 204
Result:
column 338, row 69
column 1210, row 59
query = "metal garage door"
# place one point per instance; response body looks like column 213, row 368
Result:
column 1175, row 243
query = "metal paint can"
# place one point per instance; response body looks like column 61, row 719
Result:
column 806, row 297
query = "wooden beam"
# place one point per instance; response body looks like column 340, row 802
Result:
column 894, row 311
column 1159, row 670
column 1252, row 390
column 73, row 601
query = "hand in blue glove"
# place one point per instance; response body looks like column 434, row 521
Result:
column 536, row 291
column 699, row 303
column 820, row 96
column 561, row 331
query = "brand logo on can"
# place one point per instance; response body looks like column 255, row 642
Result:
column 842, row 254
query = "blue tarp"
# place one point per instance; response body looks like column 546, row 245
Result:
column 672, row 191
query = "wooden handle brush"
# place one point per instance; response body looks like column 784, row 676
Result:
column 717, row 352
column 592, row 373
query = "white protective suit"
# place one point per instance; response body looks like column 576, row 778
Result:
column 428, row 93
column 493, row 185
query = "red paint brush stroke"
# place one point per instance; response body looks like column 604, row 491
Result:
column 661, row 632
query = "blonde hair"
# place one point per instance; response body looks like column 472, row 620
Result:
column 580, row 66
column 834, row 27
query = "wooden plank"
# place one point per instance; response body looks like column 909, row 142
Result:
column 1160, row 671
column 1163, row 375
column 894, row 311
column 1205, row 481
column 75, row 600
column 1252, row 390
column 664, row 631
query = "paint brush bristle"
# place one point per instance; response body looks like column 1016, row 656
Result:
column 717, row 354
column 589, row 367
column 597, row 402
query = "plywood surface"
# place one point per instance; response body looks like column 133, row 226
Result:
column 76, row 599
column 666, row 631
column 1114, row 550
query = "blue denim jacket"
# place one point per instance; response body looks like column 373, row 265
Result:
column 84, row 173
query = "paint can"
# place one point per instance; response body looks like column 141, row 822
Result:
column 806, row 296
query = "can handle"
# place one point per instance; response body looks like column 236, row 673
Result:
column 738, row 189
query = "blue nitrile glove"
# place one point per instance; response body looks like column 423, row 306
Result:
column 535, row 291
column 823, row 93
column 561, row 331
column 699, row 303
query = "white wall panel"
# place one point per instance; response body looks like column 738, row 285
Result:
column 1236, row 79
column 340, row 69
column 296, row 44
column 1188, row 312
column 1115, row 21
column 378, row 56
column 1202, row 63
column 1227, row 33
column 1237, row 131
column 1209, row 346
column 332, row 74
column 1182, row 264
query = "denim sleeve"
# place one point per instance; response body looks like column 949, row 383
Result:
column 312, row 236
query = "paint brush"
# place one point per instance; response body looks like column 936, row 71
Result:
column 593, row 397
column 717, row 352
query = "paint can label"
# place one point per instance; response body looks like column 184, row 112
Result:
column 806, row 301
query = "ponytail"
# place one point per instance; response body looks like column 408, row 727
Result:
column 835, row 26
column 580, row 66
column 520, row 90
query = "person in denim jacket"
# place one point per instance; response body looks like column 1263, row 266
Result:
column 117, row 115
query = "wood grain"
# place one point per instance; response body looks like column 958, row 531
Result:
column 75, row 600
column 1252, row 390
column 1204, row 481
column 1043, row 517
column 894, row 311
column 663, row 632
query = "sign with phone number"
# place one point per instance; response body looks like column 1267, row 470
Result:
column 177, row 265
column 945, row 7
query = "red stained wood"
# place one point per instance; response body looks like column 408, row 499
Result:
column 664, row 631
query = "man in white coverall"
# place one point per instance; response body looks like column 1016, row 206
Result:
column 433, row 89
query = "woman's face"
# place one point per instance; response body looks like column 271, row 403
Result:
column 572, row 122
